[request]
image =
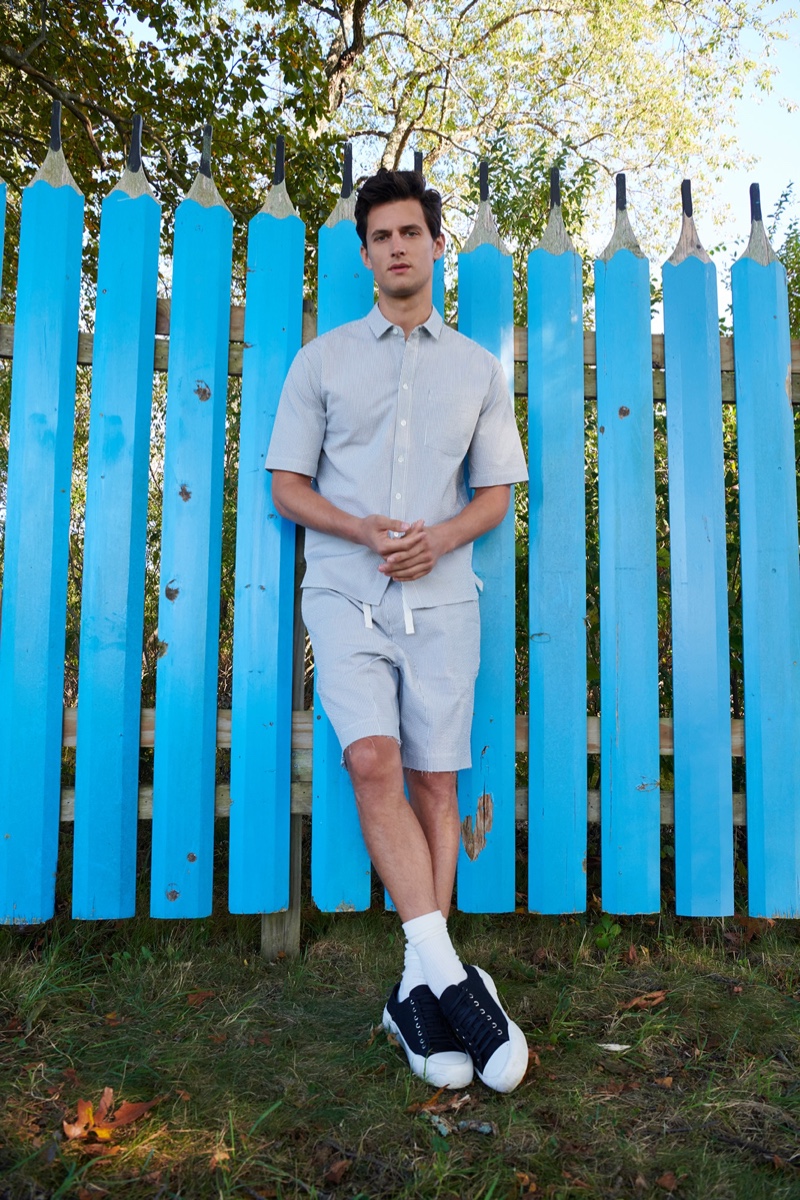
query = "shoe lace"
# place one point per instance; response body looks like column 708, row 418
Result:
column 436, row 1032
column 476, row 1026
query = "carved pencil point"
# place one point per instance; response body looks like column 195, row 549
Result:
column 205, row 155
column 279, row 174
column 55, row 126
column 622, row 198
column 555, row 188
column 347, row 172
column 135, row 153
column 483, row 180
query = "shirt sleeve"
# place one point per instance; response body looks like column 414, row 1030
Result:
column 495, row 455
column 299, row 428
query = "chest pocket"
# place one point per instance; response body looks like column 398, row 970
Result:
column 449, row 424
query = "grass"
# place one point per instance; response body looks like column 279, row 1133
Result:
column 272, row 1080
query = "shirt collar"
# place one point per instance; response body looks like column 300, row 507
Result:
column 379, row 324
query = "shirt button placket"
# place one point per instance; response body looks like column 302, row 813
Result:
column 404, row 401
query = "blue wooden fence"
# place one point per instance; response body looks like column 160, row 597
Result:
column 269, row 750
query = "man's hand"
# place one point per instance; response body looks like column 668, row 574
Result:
column 415, row 555
column 375, row 533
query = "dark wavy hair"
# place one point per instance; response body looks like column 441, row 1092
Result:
column 386, row 186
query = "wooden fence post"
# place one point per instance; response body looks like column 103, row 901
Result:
column 629, row 756
column 770, row 574
column 188, row 612
column 340, row 866
column 37, row 536
column 557, row 516
column 261, row 720
column 700, row 659
column 112, row 605
column 487, row 797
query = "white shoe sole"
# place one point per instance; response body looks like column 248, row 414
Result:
column 451, row 1069
column 513, row 1070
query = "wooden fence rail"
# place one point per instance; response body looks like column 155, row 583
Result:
column 286, row 763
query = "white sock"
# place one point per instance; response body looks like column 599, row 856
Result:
column 413, row 974
column 440, row 964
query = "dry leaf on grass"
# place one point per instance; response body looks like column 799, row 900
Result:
column 648, row 1000
column 337, row 1171
column 100, row 1124
column 668, row 1181
column 195, row 999
column 452, row 1103
column 218, row 1158
column 664, row 1082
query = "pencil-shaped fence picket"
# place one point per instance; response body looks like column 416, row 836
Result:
column 285, row 763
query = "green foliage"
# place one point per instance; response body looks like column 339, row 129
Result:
column 789, row 254
column 178, row 65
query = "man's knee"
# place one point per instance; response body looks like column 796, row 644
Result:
column 432, row 787
column 372, row 759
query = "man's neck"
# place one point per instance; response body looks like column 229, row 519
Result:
column 407, row 313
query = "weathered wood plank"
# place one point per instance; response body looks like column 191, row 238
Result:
column 700, row 651
column 301, row 804
column 36, row 546
column 770, row 576
column 303, row 729
column 191, row 549
column 112, row 597
column 486, row 864
column 265, row 576
column 557, row 576
column 629, row 782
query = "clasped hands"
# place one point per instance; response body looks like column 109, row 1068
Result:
column 411, row 555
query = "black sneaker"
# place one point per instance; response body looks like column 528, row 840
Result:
column 497, row 1046
column 433, row 1051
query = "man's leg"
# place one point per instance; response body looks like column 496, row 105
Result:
column 434, row 801
column 395, row 835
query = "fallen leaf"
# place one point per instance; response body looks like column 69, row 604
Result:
column 640, row 1183
column 614, row 1047
column 218, row 1038
column 664, row 1082
column 218, row 1158
column 574, row 1181
column 337, row 1171
column 184, row 1095
column 668, row 1181
column 198, row 998
column 632, row 955
column 648, row 1000
column 533, row 1058
column 100, row 1124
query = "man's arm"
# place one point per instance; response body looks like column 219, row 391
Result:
column 294, row 498
column 421, row 547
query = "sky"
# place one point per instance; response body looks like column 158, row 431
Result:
column 769, row 132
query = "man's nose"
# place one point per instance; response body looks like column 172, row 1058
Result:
column 398, row 245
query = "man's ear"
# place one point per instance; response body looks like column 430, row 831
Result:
column 438, row 246
column 365, row 257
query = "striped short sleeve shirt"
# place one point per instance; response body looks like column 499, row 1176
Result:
column 386, row 425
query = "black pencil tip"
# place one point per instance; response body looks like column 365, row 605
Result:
column 686, row 197
column 555, row 187
column 280, row 159
column 418, row 161
column 347, row 173
column 622, row 197
column 135, row 153
column 483, row 180
column 205, row 156
column 55, row 126
column 755, row 202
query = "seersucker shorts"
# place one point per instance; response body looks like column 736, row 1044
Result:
column 376, row 680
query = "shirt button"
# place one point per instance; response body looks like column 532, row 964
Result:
column 402, row 422
column 405, row 387
column 400, row 459
column 397, row 496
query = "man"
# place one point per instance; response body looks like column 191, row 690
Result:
column 374, row 425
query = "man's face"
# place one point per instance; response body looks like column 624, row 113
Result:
column 400, row 250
